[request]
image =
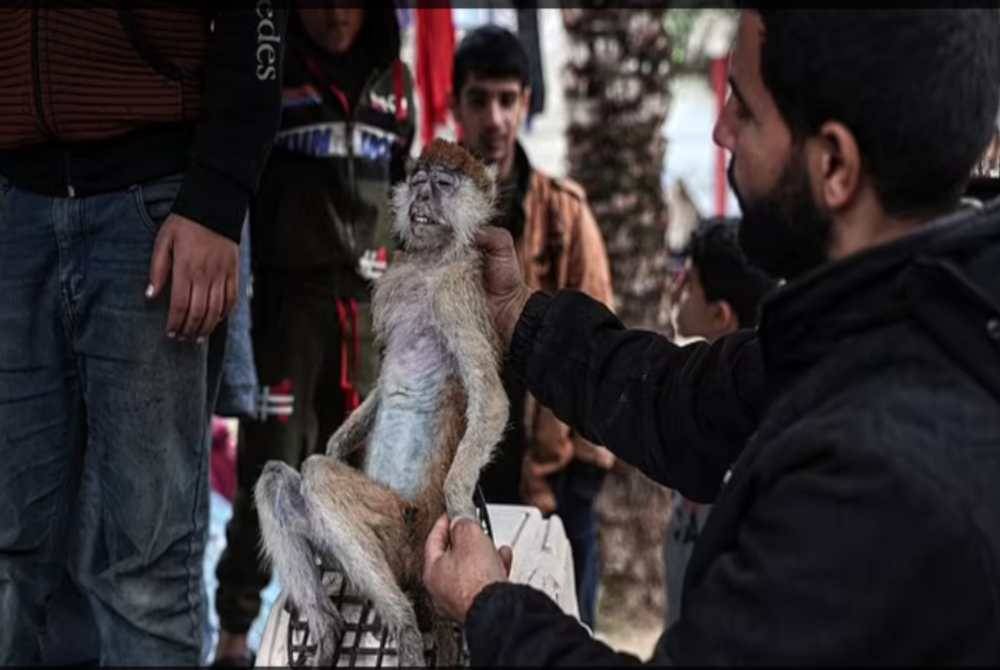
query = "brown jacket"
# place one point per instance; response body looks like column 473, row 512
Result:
column 561, row 248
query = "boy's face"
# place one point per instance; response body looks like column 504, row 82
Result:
column 490, row 112
column 332, row 28
column 693, row 314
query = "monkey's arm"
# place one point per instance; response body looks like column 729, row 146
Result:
column 460, row 309
column 355, row 428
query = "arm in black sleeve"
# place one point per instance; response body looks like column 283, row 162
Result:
column 241, row 110
column 679, row 414
column 535, row 632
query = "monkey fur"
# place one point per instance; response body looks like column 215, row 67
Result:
column 428, row 428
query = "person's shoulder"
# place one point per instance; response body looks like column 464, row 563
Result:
column 562, row 186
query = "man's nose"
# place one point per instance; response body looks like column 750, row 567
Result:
column 494, row 114
column 722, row 134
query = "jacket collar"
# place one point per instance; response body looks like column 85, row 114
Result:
column 939, row 276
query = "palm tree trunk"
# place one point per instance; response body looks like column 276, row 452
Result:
column 617, row 98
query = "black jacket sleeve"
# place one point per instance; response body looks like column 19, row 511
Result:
column 241, row 110
column 542, row 635
column 679, row 414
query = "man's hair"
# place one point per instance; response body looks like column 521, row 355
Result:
column 490, row 52
column 919, row 89
column 724, row 270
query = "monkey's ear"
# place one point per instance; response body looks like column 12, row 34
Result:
column 409, row 164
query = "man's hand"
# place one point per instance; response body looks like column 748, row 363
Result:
column 506, row 292
column 202, row 267
column 460, row 563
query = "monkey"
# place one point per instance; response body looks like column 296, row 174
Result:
column 431, row 423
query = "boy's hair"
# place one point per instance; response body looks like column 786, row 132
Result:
column 491, row 52
column 725, row 272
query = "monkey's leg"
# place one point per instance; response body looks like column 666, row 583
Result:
column 361, row 523
column 355, row 428
column 465, row 323
column 285, row 532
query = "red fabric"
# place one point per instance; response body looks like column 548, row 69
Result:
column 222, row 466
column 350, row 343
column 435, row 50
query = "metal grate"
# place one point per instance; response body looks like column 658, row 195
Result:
column 364, row 642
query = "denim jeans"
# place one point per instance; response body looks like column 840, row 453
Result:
column 103, row 429
column 576, row 488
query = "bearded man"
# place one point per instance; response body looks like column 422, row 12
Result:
column 850, row 442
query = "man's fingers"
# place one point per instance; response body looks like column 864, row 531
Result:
column 506, row 557
column 437, row 542
column 216, row 310
column 464, row 529
column 494, row 240
column 180, row 298
column 197, row 309
column 159, row 265
column 232, row 294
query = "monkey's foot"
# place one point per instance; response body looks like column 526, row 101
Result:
column 411, row 648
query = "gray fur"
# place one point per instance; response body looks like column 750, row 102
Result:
column 431, row 318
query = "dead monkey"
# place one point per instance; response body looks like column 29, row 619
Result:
column 429, row 426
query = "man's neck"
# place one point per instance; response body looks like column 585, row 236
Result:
column 867, row 226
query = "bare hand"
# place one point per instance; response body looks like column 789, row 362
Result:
column 506, row 291
column 461, row 562
column 202, row 267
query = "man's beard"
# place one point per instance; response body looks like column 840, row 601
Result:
column 784, row 233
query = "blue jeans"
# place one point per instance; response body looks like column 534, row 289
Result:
column 103, row 430
column 576, row 488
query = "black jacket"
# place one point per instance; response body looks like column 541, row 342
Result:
column 347, row 125
column 860, row 520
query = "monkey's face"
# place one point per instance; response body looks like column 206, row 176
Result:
column 438, row 207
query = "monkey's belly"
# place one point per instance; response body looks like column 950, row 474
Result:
column 403, row 441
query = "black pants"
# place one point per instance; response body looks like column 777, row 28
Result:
column 296, row 339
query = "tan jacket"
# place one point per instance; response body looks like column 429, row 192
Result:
column 561, row 248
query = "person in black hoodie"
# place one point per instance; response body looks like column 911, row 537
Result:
column 321, row 233
column 851, row 443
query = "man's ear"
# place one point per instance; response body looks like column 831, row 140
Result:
column 525, row 102
column 834, row 164
column 724, row 317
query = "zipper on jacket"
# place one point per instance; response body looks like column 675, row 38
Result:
column 351, row 113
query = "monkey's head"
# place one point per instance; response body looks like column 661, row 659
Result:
column 446, row 198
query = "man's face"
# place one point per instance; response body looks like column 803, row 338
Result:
column 783, row 231
column 490, row 112
column 332, row 28
column 693, row 314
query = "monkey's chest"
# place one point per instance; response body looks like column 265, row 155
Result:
column 406, row 440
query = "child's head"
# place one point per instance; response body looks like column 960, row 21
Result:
column 720, row 291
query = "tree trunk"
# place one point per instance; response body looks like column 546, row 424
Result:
column 617, row 97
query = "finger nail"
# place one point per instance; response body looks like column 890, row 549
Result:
column 200, row 340
column 171, row 334
column 149, row 291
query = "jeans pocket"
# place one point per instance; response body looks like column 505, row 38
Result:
column 154, row 200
